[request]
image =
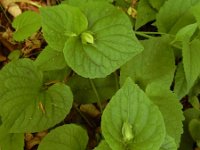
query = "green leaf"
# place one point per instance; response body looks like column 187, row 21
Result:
column 66, row 137
column 61, row 22
column 103, row 146
column 11, row 141
column 26, row 105
column 194, row 101
column 131, row 106
column 194, row 128
column 168, row 144
column 190, row 114
column 154, row 65
column 170, row 108
column 14, row 55
column 196, row 11
column 157, row 4
column 26, row 24
column 145, row 13
column 191, row 62
column 122, row 3
column 82, row 2
column 186, row 140
column 84, row 93
column 50, row 59
column 186, row 32
column 56, row 75
column 180, row 87
column 174, row 15
column 114, row 42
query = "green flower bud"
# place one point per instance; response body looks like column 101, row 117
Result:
column 87, row 38
column 127, row 132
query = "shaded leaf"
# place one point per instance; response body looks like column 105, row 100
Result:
column 84, row 93
column 180, row 87
column 90, row 110
column 154, row 65
column 186, row 139
column 194, row 128
column 194, row 101
column 56, row 75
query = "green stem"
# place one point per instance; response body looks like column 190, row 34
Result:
column 153, row 33
column 143, row 35
column 83, row 116
column 176, row 46
column 97, row 95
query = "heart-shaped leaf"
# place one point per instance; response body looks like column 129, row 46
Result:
column 113, row 44
column 25, row 104
column 154, row 65
column 132, row 121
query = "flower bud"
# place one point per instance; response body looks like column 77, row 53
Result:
column 87, row 38
column 127, row 132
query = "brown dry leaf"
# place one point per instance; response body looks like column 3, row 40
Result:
column 12, row 7
column 8, row 35
column 31, row 45
column 90, row 109
column 28, row 136
column 41, row 134
column 35, row 141
column 2, row 58
column 133, row 3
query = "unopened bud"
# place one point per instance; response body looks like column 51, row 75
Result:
column 87, row 38
column 127, row 132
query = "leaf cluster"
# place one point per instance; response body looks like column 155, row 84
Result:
column 100, row 52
